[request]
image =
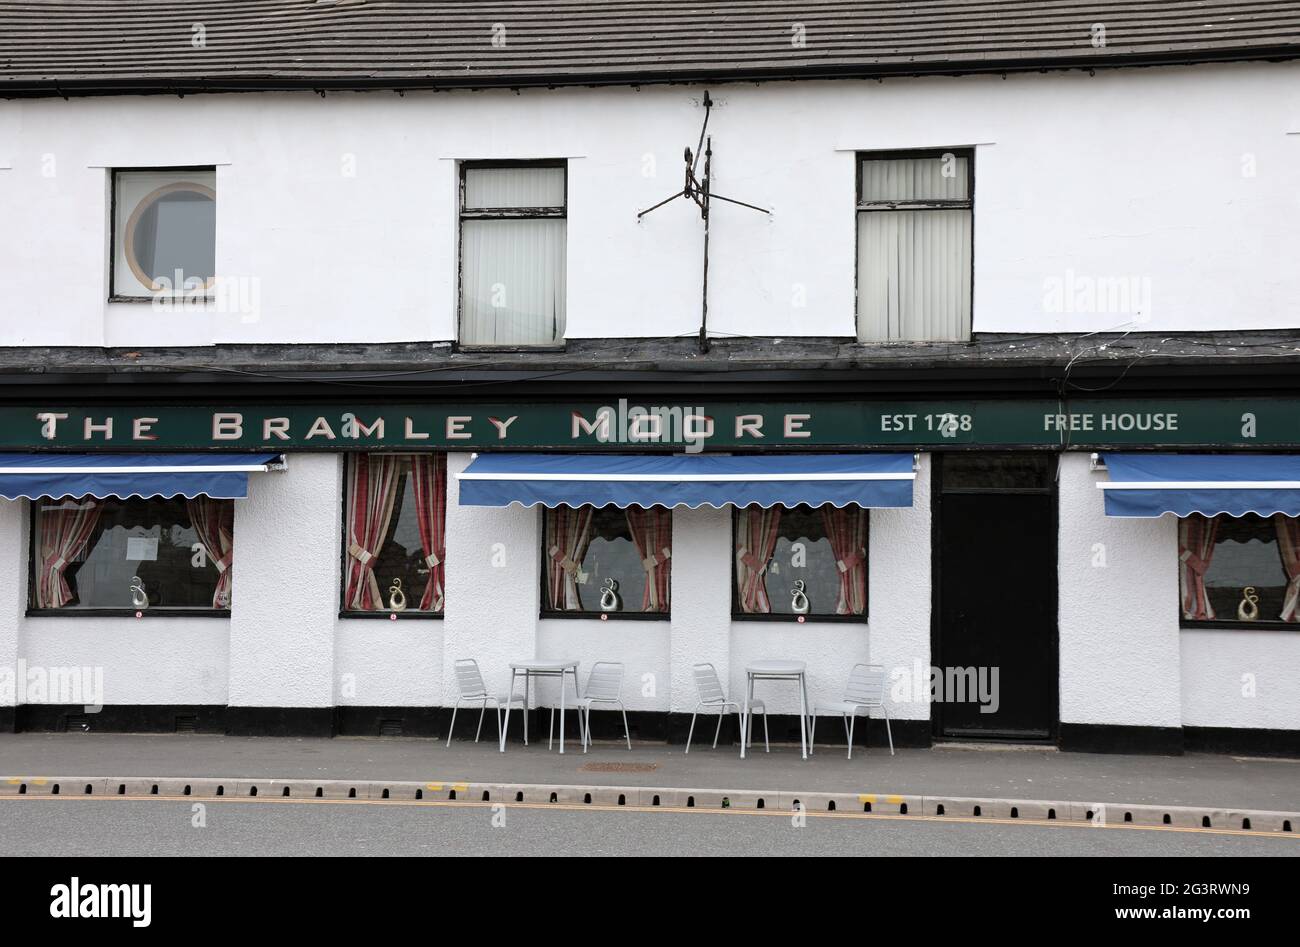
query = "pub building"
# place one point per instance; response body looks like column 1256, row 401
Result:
column 431, row 355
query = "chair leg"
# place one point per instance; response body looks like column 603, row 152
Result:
column 479, row 732
column 767, row 744
column 627, row 731
column 848, row 734
column 454, row 708
column 550, row 733
column 888, row 732
column 691, row 732
column 853, row 718
column 718, row 731
column 812, row 731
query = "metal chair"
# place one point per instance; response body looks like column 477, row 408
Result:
column 604, row 686
column 865, row 692
column 712, row 695
column 469, row 682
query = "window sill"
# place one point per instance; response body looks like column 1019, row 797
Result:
column 473, row 347
column 155, row 612
column 1237, row 625
column 807, row 619
column 172, row 299
column 612, row 616
column 399, row 616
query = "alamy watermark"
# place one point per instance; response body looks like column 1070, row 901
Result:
column 25, row 683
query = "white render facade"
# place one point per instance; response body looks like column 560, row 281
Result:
column 340, row 215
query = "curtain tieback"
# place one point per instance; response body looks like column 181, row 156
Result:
column 850, row 562
column 362, row 556
column 652, row 562
column 564, row 562
column 58, row 562
column 1192, row 561
column 753, row 562
column 223, row 563
column 432, row 560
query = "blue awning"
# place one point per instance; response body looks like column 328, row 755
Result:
column 223, row 476
column 1236, row 484
column 693, row 480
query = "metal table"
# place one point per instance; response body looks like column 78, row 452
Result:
column 776, row 670
column 539, row 667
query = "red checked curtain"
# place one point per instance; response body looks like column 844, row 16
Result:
column 568, row 534
column 429, row 473
column 756, row 535
column 847, row 531
column 372, row 489
column 65, row 532
column 214, row 523
column 1288, row 545
column 652, row 533
column 1195, row 550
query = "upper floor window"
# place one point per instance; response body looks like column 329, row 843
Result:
column 914, row 246
column 164, row 231
column 512, row 253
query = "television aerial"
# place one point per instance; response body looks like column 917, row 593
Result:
column 697, row 188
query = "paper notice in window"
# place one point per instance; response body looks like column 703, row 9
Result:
column 142, row 548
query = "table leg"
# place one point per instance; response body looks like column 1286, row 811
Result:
column 561, row 713
column 505, row 726
column 744, row 716
column 528, row 681
column 803, row 715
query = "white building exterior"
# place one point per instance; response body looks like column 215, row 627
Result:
column 1157, row 202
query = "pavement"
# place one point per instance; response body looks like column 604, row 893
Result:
column 1211, row 781
column 79, row 827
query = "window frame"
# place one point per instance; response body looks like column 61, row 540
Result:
column 1226, row 624
column 31, row 611
column 113, row 295
column 545, row 613
column 738, row 615
column 861, row 206
column 384, row 614
column 503, row 213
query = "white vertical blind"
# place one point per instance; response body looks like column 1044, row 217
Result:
column 513, row 268
column 914, row 275
column 513, row 187
column 512, row 281
column 914, row 265
column 915, row 179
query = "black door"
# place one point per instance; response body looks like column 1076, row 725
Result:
column 995, row 634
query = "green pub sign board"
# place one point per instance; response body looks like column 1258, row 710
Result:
column 912, row 424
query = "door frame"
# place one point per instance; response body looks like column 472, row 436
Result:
column 936, row 590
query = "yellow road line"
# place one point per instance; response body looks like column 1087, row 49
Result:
column 593, row 807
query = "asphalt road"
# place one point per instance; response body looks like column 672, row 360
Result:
column 80, row 827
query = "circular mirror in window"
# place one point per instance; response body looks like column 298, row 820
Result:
column 169, row 239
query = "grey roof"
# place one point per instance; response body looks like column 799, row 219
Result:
column 97, row 46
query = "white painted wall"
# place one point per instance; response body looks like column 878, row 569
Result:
column 1236, row 678
column 285, row 598
column 1120, row 651
column 344, row 208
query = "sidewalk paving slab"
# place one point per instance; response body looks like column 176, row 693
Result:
column 1223, row 782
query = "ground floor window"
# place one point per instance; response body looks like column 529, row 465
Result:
column 607, row 560
column 132, row 554
column 395, row 513
column 1239, row 568
column 800, row 560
